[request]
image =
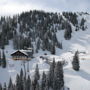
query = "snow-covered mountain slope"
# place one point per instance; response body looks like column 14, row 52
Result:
column 80, row 39
column 74, row 80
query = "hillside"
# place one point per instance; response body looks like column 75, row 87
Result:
column 38, row 29
column 51, row 30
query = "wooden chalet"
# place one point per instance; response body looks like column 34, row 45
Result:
column 22, row 54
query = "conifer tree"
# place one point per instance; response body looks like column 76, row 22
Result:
column 21, row 80
column 47, row 84
column 0, row 87
column 17, row 82
column 51, row 73
column 43, row 81
column 37, row 86
column 10, row 86
column 24, row 83
column 3, row 60
column 58, row 77
column 32, row 86
column 37, row 75
column 5, row 87
column 28, row 83
column 82, row 23
column 14, row 87
column 75, row 62
column 68, row 31
column 53, row 48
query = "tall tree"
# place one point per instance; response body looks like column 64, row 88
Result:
column 17, row 82
column 37, row 87
column 53, row 48
column 58, row 77
column 37, row 75
column 43, row 81
column 47, row 84
column 3, row 60
column 75, row 62
column 21, row 80
column 68, row 31
column 5, row 87
column 51, row 73
column 28, row 83
column 0, row 87
column 10, row 86
column 82, row 23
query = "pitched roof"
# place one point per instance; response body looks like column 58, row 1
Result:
column 20, row 51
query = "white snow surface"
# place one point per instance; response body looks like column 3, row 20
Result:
column 74, row 80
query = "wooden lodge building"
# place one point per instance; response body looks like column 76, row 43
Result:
column 22, row 54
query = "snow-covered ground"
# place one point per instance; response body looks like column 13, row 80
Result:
column 74, row 80
column 78, row 80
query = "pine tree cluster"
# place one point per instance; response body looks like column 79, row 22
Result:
column 52, row 80
column 37, row 29
column 72, row 17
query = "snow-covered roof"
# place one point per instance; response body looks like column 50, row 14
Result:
column 25, row 52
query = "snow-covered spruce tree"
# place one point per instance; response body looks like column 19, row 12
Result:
column 38, row 45
column 67, row 34
column 28, row 83
column 59, row 45
column 0, row 86
column 10, row 86
column 37, row 75
column 75, row 62
column 5, row 87
column 68, row 31
column 82, row 24
column 37, row 86
column 33, row 86
column 18, row 82
column 45, row 43
column 54, row 38
column 21, row 80
column 53, row 50
column 43, row 81
column 58, row 82
column 3, row 60
column 24, row 83
column 47, row 84
column 13, row 87
column 51, row 73
column 15, row 40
